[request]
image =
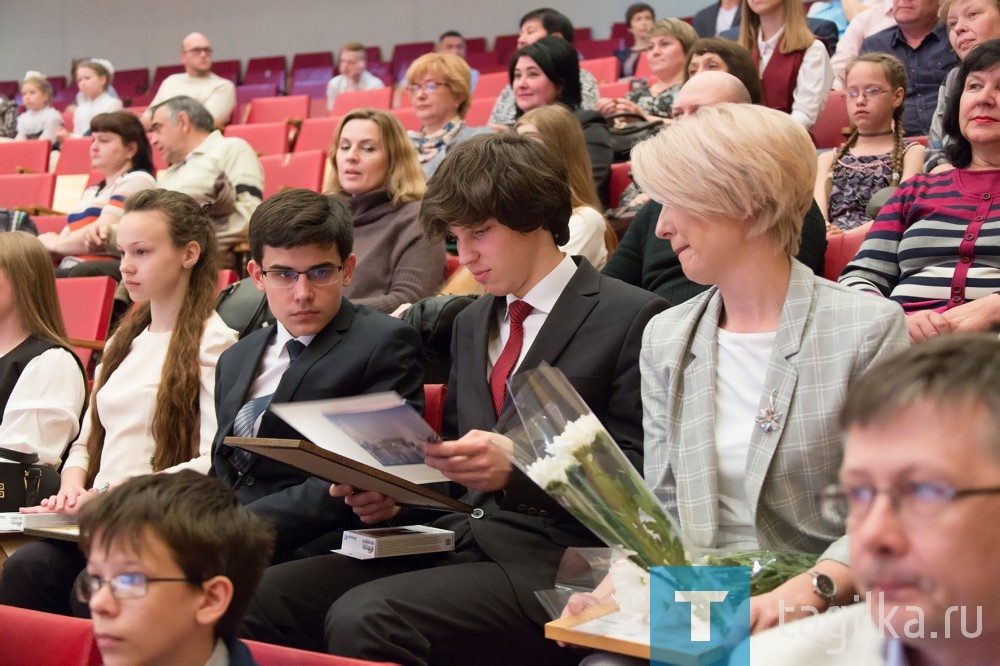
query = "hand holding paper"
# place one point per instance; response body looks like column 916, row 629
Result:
column 480, row 460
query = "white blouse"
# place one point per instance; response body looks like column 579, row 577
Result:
column 127, row 402
column 42, row 414
column 586, row 236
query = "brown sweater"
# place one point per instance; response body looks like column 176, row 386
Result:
column 396, row 264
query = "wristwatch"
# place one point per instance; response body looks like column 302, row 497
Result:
column 824, row 586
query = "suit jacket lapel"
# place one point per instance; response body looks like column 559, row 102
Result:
column 782, row 377
column 571, row 309
column 237, row 395
column 695, row 457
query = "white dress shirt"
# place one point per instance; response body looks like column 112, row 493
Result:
column 272, row 367
column 542, row 297
column 812, row 86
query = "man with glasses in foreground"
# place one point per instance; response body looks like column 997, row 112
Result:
column 322, row 347
column 919, row 490
column 172, row 560
column 217, row 94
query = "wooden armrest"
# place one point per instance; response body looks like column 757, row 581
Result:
column 39, row 210
column 96, row 345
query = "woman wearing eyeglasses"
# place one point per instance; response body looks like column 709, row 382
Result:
column 376, row 172
column 440, row 88
column 935, row 246
column 153, row 404
column 875, row 155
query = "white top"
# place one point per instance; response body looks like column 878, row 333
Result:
column 542, row 297
column 812, row 86
column 724, row 19
column 739, row 384
column 48, row 121
column 43, row 411
column 88, row 108
column 586, row 236
column 216, row 93
column 272, row 366
column 127, row 402
column 869, row 22
column 341, row 83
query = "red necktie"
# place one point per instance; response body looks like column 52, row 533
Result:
column 517, row 310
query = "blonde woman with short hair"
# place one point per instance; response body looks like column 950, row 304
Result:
column 440, row 89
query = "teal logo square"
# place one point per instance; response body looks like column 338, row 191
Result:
column 698, row 615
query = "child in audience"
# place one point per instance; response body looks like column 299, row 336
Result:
column 875, row 155
column 93, row 77
column 172, row 562
column 794, row 66
column 42, row 384
column 589, row 233
column 146, row 414
column 39, row 120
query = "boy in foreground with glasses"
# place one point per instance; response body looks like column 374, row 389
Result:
column 322, row 347
column 172, row 560
column 918, row 486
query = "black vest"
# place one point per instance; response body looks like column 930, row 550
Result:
column 13, row 363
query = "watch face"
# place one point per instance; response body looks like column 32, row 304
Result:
column 825, row 586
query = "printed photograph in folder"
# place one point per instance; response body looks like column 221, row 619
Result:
column 379, row 430
column 341, row 469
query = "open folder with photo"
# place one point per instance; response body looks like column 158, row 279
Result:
column 372, row 442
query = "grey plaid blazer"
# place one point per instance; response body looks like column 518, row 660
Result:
column 827, row 335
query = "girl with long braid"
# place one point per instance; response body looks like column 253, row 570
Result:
column 875, row 155
column 153, row 404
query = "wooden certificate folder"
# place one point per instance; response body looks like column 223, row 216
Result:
column 340, row 469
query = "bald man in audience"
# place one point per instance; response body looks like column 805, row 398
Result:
column 919, row 481
column 216, row 94
column 649, row 262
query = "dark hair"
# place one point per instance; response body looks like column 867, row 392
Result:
column 450, row 33
column 949, row 371
column 636, row 8
column 737, row 59
column 514, row 179
column 558, row 60
column 129, row 128
column 196, row 112
column 958, row 150
column 295, row 218
column 177, row 413
column 552, row 21
column 208, row 530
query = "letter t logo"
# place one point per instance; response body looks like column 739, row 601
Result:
column 701, row 630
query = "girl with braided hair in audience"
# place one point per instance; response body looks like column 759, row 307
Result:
column 153, row 404
column 875, row 155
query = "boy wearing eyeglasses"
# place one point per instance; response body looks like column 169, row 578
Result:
column 172, row 561
column 321, row 347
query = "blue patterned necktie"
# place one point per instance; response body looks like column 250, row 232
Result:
column 251, row 411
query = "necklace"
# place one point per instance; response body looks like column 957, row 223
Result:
column 885, row 133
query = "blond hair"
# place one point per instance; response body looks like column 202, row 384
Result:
column 453, row 72
column 741, row 161
column 405, row 179
column 28, row 268
column 796, row 37
column 680, row 30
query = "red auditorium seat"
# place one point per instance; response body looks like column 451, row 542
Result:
column 316, row 134
column 828, row 130
column 25, row 156
column 404, row 54
column 620, row 178
column 266, row 70
column 294, row 170
column 227, row 69
column 840, row 249
column 613, row 90
column 311, row 60
column 86, row 303
column 278, row 109
column 162, row 72
column 27, row 190
column 605, row 70
column 475, row 45
column 264, row 138
column 434, row 395
column 75, row 156
column 408, row 117
column 360, row 99
column 479, row 111
column 598, row 48
column 490, row 85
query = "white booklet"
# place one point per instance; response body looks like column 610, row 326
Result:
column 379, row 430
column 14, row 521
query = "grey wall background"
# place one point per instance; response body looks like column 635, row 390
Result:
column 46, row 34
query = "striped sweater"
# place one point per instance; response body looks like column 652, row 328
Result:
column 935, row 244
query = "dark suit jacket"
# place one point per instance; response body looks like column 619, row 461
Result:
column 704, row 20
column 359, row 351
column 825, row 31
column 593, row 335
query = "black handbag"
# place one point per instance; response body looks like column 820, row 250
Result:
column 243, row 307
column 624, row 135
column 22, row 482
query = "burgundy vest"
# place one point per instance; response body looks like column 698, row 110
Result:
column 779, row 78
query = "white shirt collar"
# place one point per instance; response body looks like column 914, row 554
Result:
column 543, row 296
column 766, row 46
column 282, row 336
